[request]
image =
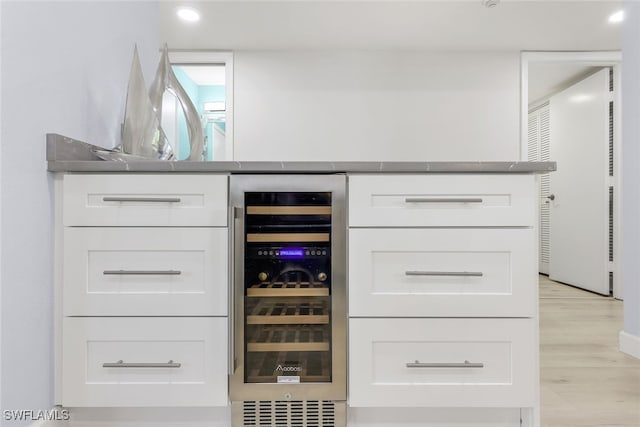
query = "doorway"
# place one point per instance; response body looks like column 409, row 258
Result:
column 205, row 86
column 580, row 203
column 207, row 78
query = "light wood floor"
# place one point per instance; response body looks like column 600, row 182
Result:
column 584, row 379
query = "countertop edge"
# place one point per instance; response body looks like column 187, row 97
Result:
column 68, row 155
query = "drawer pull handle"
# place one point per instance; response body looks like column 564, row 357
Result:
column 445, row 273
column 443, row 200
column 142, row 272
column 143, row 199
column 465, row 364
column 122, row 364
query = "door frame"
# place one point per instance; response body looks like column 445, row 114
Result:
column 599, row 59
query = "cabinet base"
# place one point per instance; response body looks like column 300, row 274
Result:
column 435, row 417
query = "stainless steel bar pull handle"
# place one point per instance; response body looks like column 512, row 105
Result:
column 143, row 199
column 465, row 364
column 443, row 200
column 235, row 214
column 142, row 272
column 122, row 364
column 445, row 273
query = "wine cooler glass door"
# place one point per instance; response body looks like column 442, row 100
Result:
column 288, row 289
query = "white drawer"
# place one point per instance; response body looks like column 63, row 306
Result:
column 181, row 362
column 442, row 272
column 441, row 200
column 145, row 271
column 442, row 362
column 144, row 200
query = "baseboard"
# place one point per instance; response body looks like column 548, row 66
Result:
column 436, row 417
column 630, row 344
column 151, row 417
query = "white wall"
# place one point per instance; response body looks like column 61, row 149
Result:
column 376, row 105
column 631, row 172
column 65, row 67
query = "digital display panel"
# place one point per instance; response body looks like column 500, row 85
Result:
column 292, row 252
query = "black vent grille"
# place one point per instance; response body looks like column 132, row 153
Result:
column 295, row 413
column 610, row 79
column 611, row 283
column 611, row 138
column 611, row 224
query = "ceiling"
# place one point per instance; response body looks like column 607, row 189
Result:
column 451, row 25
column 548, row 78
column 420, row 24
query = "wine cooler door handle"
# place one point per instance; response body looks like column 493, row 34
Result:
column 235, row 214
column 122, row 364
column 465, row 364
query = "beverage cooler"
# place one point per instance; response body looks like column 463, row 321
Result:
column 289, row 300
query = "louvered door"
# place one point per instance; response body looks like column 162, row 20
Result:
column 539, row 150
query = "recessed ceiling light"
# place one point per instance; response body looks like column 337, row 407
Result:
column 617, row 17
column 188, row 14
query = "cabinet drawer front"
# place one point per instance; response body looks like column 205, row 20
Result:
column 144, row 362
column 442, row 362
column 145, row 271
column 441, row 200
column 144, row 200
column 442, row 272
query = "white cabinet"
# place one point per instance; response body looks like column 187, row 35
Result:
column 145, row 271
column 145, row 200
column 441, row 272
column 441, row 200
column 144, row 361
column 442, row 302
column 442, row 362
column 442, row 295
column 143, row 264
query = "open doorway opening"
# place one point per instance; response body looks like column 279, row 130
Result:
column 571, row 115
column 205, row 85
column 207, row 77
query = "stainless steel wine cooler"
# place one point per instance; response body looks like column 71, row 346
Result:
column 289, row 301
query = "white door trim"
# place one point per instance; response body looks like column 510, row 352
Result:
column 596, row 58
column 592, row 58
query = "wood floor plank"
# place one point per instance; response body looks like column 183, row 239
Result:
column 585, row 381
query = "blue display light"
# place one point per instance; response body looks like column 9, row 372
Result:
column 291, row 252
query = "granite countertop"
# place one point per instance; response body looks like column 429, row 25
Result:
column 69, row 155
